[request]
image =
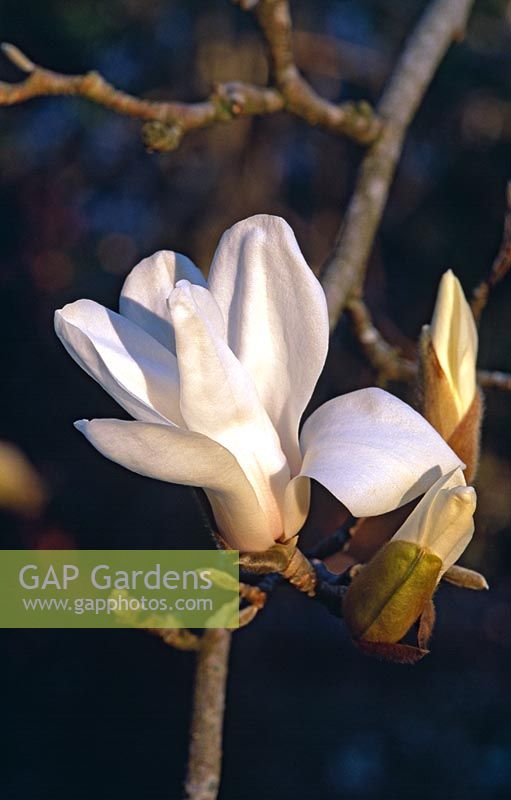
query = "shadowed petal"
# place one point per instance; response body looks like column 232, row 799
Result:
column 371, row 451
column 130, row 365
column 146, row 289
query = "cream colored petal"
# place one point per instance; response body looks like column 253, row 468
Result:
column 130, row 365
column 218, row 399
column 146, row 289
column 443, row 520
column 371, row 451
column 277, row 319
column 454, row 338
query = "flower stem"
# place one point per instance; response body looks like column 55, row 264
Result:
column 205, row 756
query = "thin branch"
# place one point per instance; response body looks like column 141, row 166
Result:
column 167, row 122
column 356, row 120
column 205, row 756
column 387, row 361
column 494, row 380
column 345, row 268
column 180, row 638
column 499, row 268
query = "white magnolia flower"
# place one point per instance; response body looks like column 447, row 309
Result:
column 442, row 522
column 454, row 339
column 217, row 376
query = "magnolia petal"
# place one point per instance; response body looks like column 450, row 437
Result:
column 276, row 316
column 146, row 289
column 175, row 455
column 206, row 306
column 219, row 400
column 371, row 451
column 454, row 337
column 130, row 365
column 443, row 520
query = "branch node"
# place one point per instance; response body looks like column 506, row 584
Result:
column 161, row 137
column 299, row 98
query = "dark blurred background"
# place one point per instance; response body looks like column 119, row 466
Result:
column 94, row 714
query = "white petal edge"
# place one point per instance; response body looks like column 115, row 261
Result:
column 443, row 520
column 371, row 451
column 179, row 456
column 277, row 319
column 144, row 295
column 135, row 369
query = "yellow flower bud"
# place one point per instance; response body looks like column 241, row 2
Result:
column 390, row 593
column 454, row 338
column 451, row 399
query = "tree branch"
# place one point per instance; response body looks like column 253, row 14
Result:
column 387, row 361
column 499, row 268
column 345, row 268
column 355, row 120
column 494, row 380
column 384, row 358
column 205, row 756
column 180, row 638
column 167, row 122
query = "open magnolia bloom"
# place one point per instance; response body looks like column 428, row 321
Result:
column 452, row 401
column 217, row 376
column 395, row 588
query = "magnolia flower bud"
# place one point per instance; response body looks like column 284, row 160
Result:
column 443, row 520
column 391, row 592
column 454, row 337
column 451, row 399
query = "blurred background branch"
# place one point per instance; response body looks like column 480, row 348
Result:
column 354, row 120
column 388, row 362
column 170, row 121
column 500, row 266
column 166, row 123
column 344, row 271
